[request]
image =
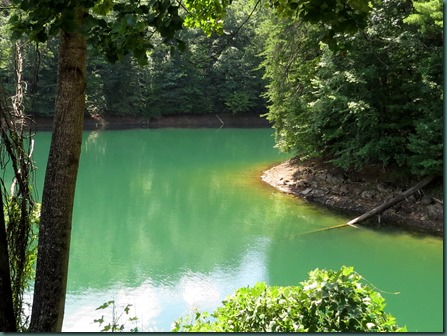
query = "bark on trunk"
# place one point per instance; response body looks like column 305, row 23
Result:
column 59, row 187
column 7, row 317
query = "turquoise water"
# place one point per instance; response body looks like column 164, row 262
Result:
column 170, row 220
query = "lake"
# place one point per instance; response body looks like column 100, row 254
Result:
column 171, row 220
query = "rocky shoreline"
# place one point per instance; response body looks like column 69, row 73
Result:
column 355, row 194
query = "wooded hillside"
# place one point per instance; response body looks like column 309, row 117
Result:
column 373, row 97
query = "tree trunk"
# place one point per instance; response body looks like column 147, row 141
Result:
column 7, row 317
column 59, row 186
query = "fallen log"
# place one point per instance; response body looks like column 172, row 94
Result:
column 378, row 210
column 330, row 228
column 399, row 198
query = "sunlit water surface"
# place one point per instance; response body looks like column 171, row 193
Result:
column 172, row 220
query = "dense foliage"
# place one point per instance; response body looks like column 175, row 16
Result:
column 375, row 100
column 19, row 214
column 23, row 271
column 216, row 74
column 329, row 301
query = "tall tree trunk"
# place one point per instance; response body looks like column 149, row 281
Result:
column 59, row 186
column 7, row 316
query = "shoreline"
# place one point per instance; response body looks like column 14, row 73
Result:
column 312, row 180
column 353, row 195
column 224, row 120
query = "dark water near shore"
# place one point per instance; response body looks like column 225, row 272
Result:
column 169, row 220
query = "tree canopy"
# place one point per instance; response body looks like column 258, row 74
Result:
column 376, row 101
column 113, row 28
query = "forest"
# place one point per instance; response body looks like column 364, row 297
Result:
column 355, row 83
column 371, row 97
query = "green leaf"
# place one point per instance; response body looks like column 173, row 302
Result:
column 127, row 308
column 105, row 305
column 106, row 328
column 103, row 7
column 100, row 320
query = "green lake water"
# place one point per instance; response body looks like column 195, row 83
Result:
column 170, row 220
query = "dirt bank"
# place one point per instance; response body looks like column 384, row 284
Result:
column 180, row 121
column 354, row 194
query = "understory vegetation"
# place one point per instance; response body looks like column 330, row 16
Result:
column 329, row 301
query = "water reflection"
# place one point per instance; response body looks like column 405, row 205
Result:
column 169, row 220
column 159, row 303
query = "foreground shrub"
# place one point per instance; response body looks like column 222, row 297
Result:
column 328, row 301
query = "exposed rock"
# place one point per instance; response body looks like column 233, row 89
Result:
column 306, row 191
column 314, row 184
column 358, row 193
column 382, row 188
column 320, row 177
column 319, row 193
column 301, row 184
column 435, row 211
column 344, row 190
column 426, row 200
column 334, row 179
column 368, row 194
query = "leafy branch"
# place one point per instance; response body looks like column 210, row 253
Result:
column 116, row 325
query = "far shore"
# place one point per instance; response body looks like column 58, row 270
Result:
column 224, row 120
column 313, row 180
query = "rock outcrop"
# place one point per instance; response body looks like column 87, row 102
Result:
column 356, row 194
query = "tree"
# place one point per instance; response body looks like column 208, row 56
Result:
column 124, row 33
column 329, row 301
column 60, row 182
column 213, row 74
column 40, row 74
column 116, row 29
column 426, row 144
column 375, row 100
column 17, row 207
column 292, row 53
column 336, row 16
column 7, row 316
